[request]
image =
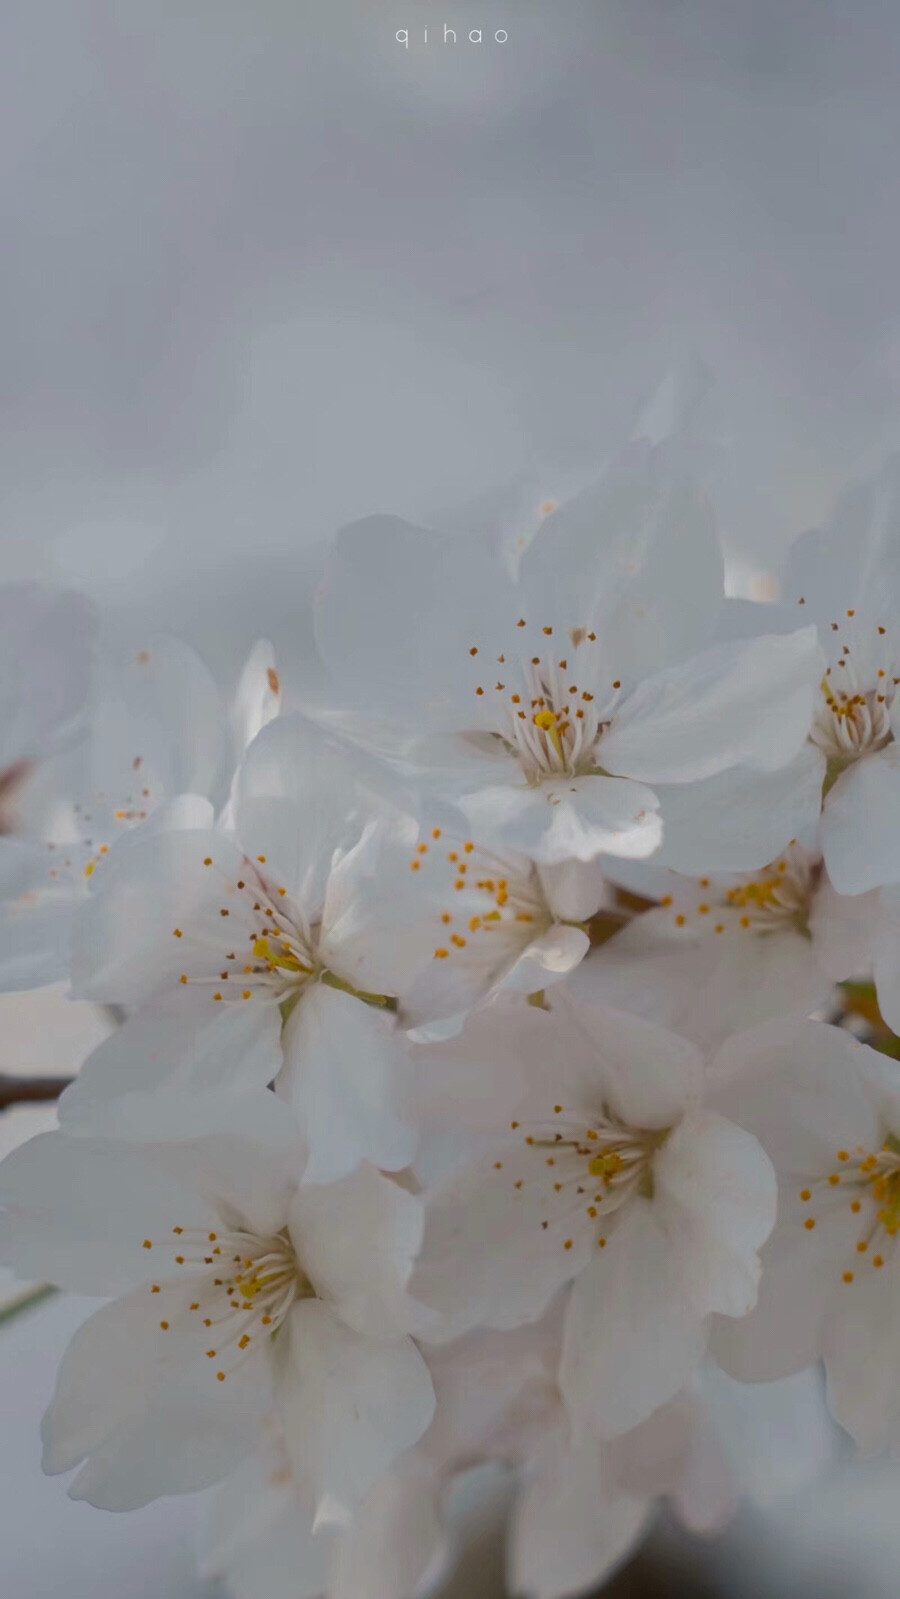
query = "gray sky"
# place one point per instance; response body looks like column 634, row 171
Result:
column 264, row 269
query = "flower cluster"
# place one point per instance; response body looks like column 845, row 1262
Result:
column 490, row 1053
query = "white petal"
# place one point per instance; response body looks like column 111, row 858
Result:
column 358, row 1239
column 285, row 808
column 159, row 707
column 547, row 959
column 860, row 835
column 741, row 818
column 487, row 1256
column 646, row 1075
column 885, row 938
column 475, row 1080
column 179, row 1043
column 800, row 1284
column 143, row 1407
column 715, row 1194
column 125, row 948
column 574, row 889
column 845, row 931
column 286, row 1559
column 375, row 926
column 36, row 940
column 802, row 1088
column 344, row 1077
column 632, row 1337
column 707, row 986
column 395, row 1544
column 861, row 1357
column 79, row 1210
column 577, row 817
column 570, row 1528
column 637, row 550
column 676, row 1453
column 746, row 702
column 349, row 1405
column 257, row 698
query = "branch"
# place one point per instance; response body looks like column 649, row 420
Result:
column 30, row 1090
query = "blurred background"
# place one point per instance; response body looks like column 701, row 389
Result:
column 265, row 268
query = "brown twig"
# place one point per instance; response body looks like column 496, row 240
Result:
column 30, row 1090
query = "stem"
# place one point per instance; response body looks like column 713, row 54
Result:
column 30, row 1090
column 25, row 1300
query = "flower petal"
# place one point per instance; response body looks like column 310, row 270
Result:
column 860, row 836
column 358, row 1238
column 571, row 1529
column 632, row 1336
column 573, row 817
column 349, row 1405
column 179, row 1043
column 142, row 1406
column 715, row 1195
column 344, row 1078
column 747, row 702
column 740, row 819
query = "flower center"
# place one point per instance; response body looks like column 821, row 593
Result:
column 780, row 895
column 776, row 899
column 274, row 945
column 243, row 1287
column 587, row 1170
column 493, row 907
column 550, row 709
column 857, row 692
column 871, row 1182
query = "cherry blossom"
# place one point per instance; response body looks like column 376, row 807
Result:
column 827, row 1109
column 847, row 581
column 251, row 957
column 718, row 953
column 601, row 1166
column 549, row 705
column 237, row 1287
column 158, row 738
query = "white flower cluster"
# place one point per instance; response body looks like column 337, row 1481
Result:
column 467, row 1097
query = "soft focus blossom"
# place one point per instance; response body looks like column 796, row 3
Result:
column 606, row 1168
column 547, row 706
column 464, row 1110
column 847, row 580
column 254, row 956
column 577, row 1512
column 237, row 1287
column 718, row 953
column 157, row 729
column 827, row 1109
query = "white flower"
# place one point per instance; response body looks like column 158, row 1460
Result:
column 582, row 1511
column 576, row 1516
column 261, row 1536
column 848, row 582
column 259, row 956
column 581, row 1507
column 604, row 1168
column 157, row 731
column 827, row 1109
column 238, row 1286
column 464, row 920
column 722, row 952
column 548, row 705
